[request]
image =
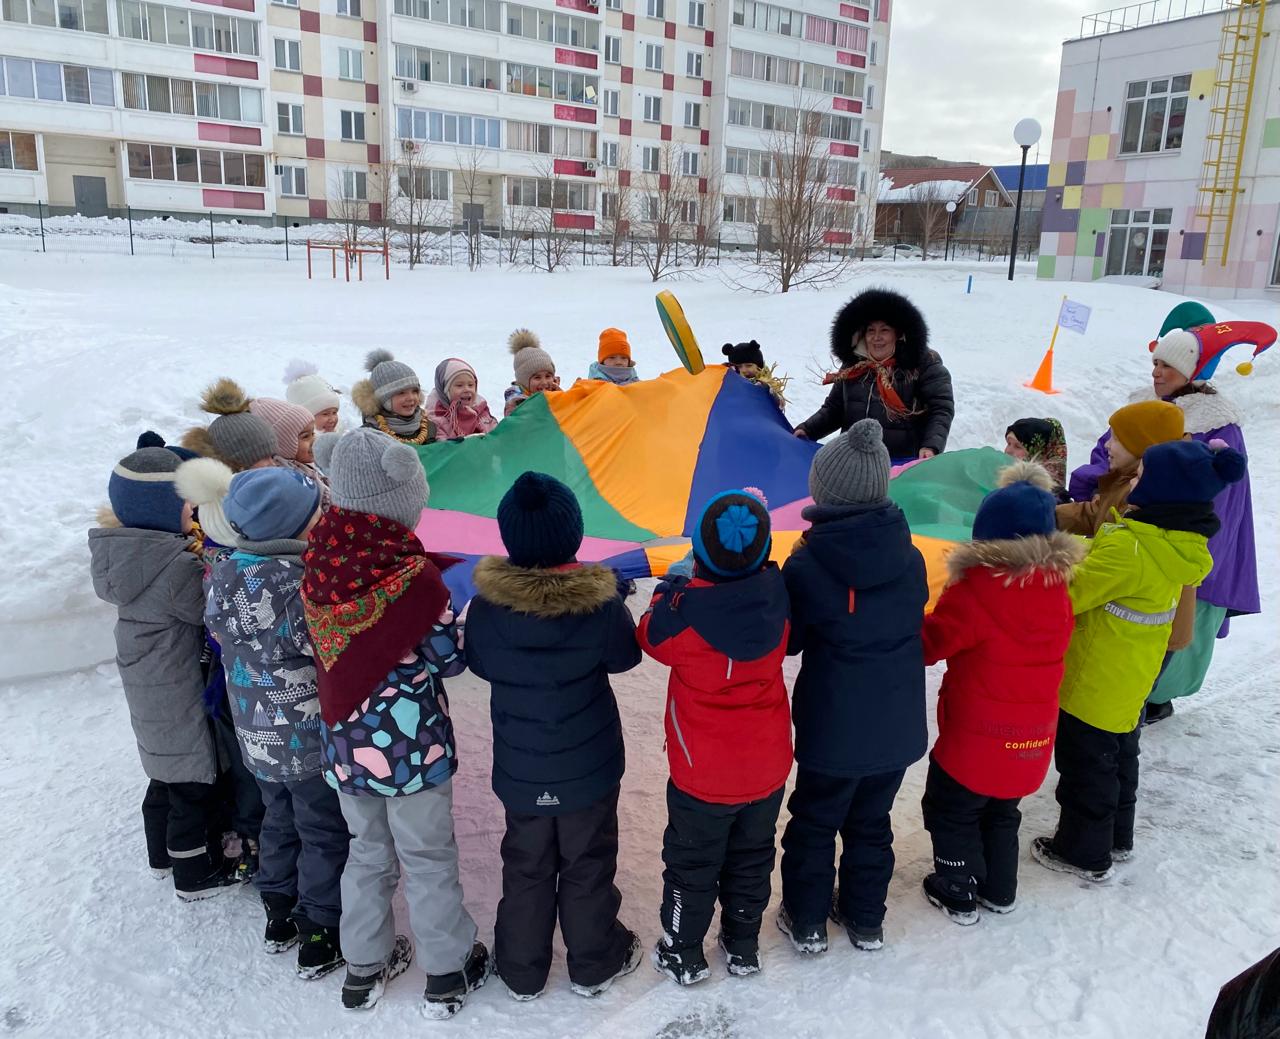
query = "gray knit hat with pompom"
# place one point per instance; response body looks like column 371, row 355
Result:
column 389, row 376
column 853, row 469
column 371, row 473
column 528, row 357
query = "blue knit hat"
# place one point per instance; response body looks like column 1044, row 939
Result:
column 1020, row 510
column 732, row 536
column 142, row 491
column 1185, row 472
column 268, row 504
column 540, row 522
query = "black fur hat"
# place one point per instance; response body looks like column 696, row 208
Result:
column 744, row 353
column 894, row 310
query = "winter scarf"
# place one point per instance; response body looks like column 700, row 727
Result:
column 416, row 429
column 456, row 419
column 370, row 594
column 619, row 376
column 883, row 372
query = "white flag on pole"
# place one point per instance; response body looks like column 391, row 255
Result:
column 1074, row 316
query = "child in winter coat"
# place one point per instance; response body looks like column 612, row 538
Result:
column 254, row 610
column 858, row 592
column 613, row 359
column 391, row 400
column 384, row 636
column 305, row 386
column 237, row 437
column 723, row 633
column 143, row 564
column 1044, row 442
column 747, row 359
column 1124, row 597
column 295, row 431
column 455, row 407
column 1002, row 624
column 535, row 371
column 546, row 633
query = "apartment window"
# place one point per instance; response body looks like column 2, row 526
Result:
column 748, row 162
column 460, row 70
column 353, row 185
column 609, row 205
column 286, row 3
column 420, row 124
column 834, row 34
column 693, row 64
column 843, row 173
column 538, row 81
column 739, row 209
column 546, row 194
column 871, row 54
column 991, row 199
column 866, row 139
column 51, row 81
column 649, row 208
column 752, row 14
column 652, row 109
column 613, row 5
column 761, row 115
column 649, row 158
column 609, row 153
column 692, row 114
column 288, row 118
column 1139, row 240
column 293, row 181
column 426, row 185
column 288, row 55
column 697, row 14
column 178, row 27
column 184, row 97
column 192, row 166
column 1155, row 112
column 973, row 197
column 689, row 163
column 653, row 57
column 655, row 9
column 613, row 50
column 84, row 15
column 871, row 96
column 352, row 126
column 543, row 139
column 17, row 151
column 611, row 102
column 349, row 8
column 568, row 30
column 689, row 211
column 350, row 64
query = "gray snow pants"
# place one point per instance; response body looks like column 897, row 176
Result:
column 416, row 833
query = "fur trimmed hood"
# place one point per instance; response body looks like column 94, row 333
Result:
column 545, row 593
column 1058, row 554
column 881, row 305
column 1203, row 410
column 363, row 397
column 197, row 439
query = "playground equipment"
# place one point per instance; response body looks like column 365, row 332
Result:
column 352, row 252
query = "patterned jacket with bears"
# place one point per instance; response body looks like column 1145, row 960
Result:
column 254, row 610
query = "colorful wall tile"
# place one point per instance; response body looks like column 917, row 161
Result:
column 1099, row 144
column 1271, row 133
column 1046, row 266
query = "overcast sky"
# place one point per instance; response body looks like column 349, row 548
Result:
column 962, row 73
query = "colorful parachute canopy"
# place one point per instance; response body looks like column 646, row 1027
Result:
column 643, row 459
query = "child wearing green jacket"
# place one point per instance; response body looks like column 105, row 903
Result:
column 1124, row 596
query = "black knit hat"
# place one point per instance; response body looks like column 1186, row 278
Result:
column 744, row 353
column 540, row 522
column 732, row 538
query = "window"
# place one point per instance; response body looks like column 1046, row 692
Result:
column 692, row 114
column 568, row 30
column 973, row 197
column 693, row 64
column 1155, row 112
column 82, row 15
column 349, row 8
column 835, row 34
column 352, row 126
column 613, row 5
column 1139, row 240
column 653, row 57
column 19, row 77
column 752, row 14
column 991, row 199
column 649, row 208
column 613, row 50
column 609, row 153
column 351, row 64
column 871, row 95
column 289, row 118
column 206, row 166
column 649, row 158
column 179, row 27
column 286, row 3
column 739, row 209
column 689, row 163
column 48, row 81
column 652, row 108
column 543, row 139
column 697, row 14
column 609, row 205
column 611, row 102
column 469, row 14
column 288, row 55
column 51, row 81
column 546, row 194
column 748, row 162
column 688, row 211
column 460, row 70
column 536, row 81
column 293, row 181
column 866, row 139
column 432, row 185
column 420, row 124
column 871, row 54
column 1275, row 265
column 761, row 115
column 353, row 185
column 184, row 97
column 17, row 151
column 843, row 173
column 655, row 9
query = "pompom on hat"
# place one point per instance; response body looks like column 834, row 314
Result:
column 236, row 436
column 744, row 353
column 305, row 386
column 142, row 491
column 1192, row 343
column 540, row 521
column 389, row 376
column 1020, row 507
column 204, row 482
column 528, row 357
column 733, row 536
column 1185, row 472
column 371, row 473
column 853, row 469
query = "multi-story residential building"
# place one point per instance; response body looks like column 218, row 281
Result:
column 1165, row 160
column 491, row 112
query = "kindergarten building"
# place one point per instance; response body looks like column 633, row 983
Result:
column 1165, row 161
column 483, row 110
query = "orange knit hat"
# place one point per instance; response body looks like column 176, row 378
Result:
column 613, row 341
column 1145, row 424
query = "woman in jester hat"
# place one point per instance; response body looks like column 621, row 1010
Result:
column 1184, row 359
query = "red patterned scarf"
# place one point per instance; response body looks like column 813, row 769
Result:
column 883, row 372
column 370, row 592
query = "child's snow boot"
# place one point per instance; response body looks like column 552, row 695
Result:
column 868, row 939
column 1121, row 854
column 686, row 966
column 634, row 955
column 1157, row 712
column 807, row 939
column 198, row 875
column 281, row 934
column 247, row 861
column 361, row 991
column 741, row 955
column 957, row 900
column 446, row 994
column 1043, row 852
column 996, row 907
column 319, row 952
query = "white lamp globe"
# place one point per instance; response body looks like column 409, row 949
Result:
column 1026, row 133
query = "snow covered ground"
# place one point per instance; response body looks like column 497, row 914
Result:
column 93, row 349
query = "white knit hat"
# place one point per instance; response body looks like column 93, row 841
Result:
column 1180, row 350
column 304, row 386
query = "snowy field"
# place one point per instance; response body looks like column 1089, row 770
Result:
column 94, row 349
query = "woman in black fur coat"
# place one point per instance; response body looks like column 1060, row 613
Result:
column 888, row 373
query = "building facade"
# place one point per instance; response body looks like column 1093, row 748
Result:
column 441, row 112
column 1165, row 161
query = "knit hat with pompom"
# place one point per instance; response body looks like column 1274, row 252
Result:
column 389, row 376
column 236, row 436
column 1184, row 472
column 1020, row 507
column 540, row 522
column 853, row 469
column 204, row 482
column 371, row 473
column 304, row 386
column 732, row 537
column 528, row 357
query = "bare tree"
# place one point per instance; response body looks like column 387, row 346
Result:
column 552, row 197
column 929, row 206
column 470, row 184
column 617, row 215
column 349, row 203
column 710, row 215
column 417, row 204
column 667, row 200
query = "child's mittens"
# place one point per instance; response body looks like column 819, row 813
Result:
column 682, row 567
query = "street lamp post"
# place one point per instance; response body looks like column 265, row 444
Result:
column 946, row 249
column 1026, row 133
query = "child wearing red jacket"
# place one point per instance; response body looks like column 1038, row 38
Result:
column 723, row 632
column 1003, row 624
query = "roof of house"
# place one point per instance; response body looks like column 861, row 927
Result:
column 1037, row 178
column 908, row 184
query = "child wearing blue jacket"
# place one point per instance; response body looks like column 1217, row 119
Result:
column 858, row 593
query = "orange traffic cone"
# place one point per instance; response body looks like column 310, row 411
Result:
column 1043, row 379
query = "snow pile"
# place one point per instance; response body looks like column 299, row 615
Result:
column 95, row 350
column 925, row 191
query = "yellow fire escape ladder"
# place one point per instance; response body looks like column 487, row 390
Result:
column 1219, row 188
